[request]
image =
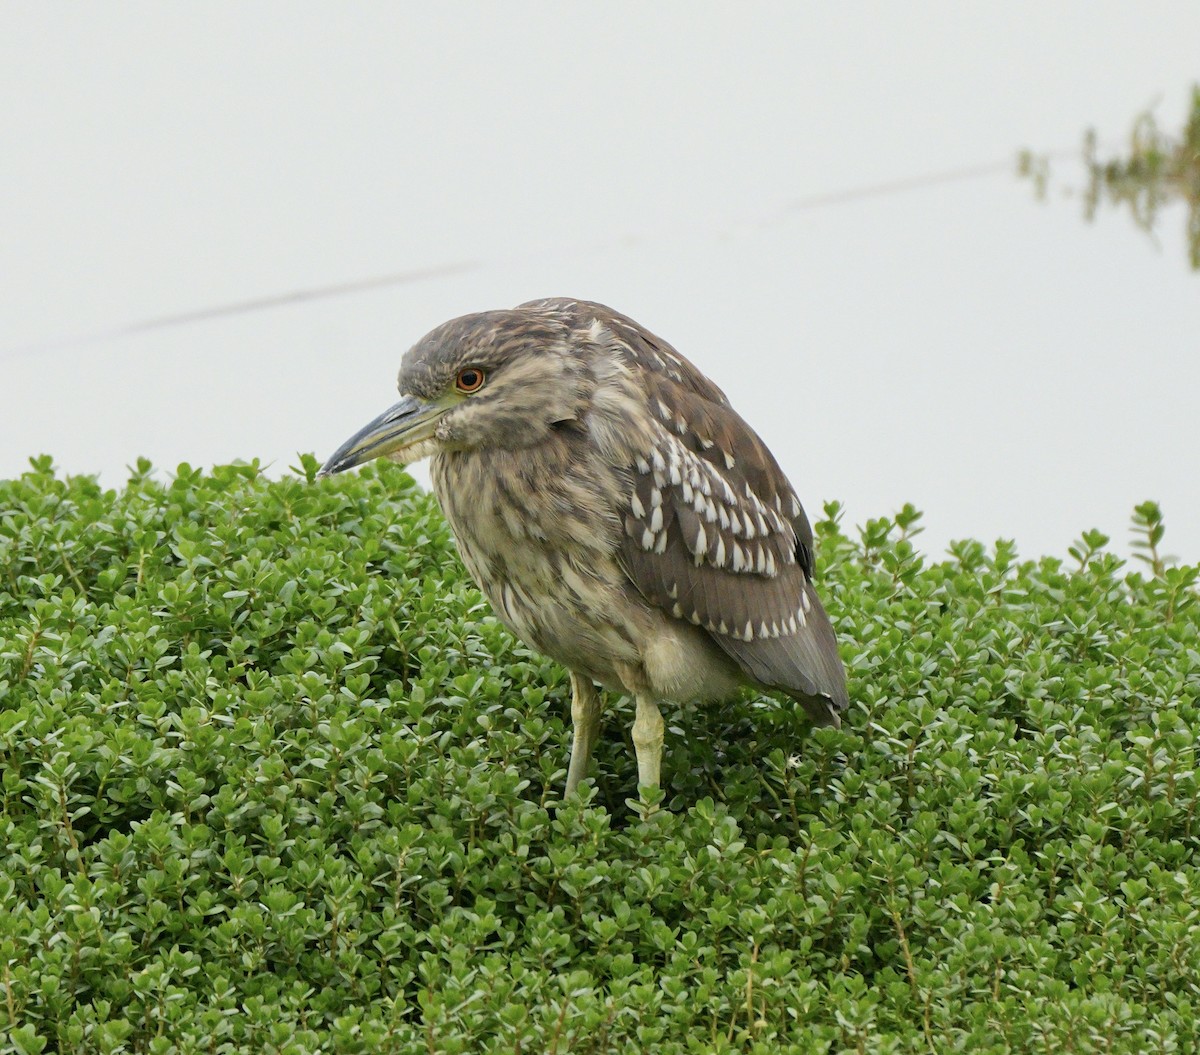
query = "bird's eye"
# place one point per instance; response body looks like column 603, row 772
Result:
column 469, row 380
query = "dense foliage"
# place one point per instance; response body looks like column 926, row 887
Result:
column 274, row 780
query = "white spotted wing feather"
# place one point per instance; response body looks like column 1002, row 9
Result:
column 715, row 535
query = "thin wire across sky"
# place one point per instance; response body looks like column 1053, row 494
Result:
column 437, row 271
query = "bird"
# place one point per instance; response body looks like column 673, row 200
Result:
column 617, row 513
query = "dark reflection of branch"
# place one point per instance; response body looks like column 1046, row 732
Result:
column 1157, row 170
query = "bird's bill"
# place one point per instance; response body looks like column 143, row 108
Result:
column 403, row 426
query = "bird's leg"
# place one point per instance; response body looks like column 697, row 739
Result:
column 648, row 741
column 585, row 722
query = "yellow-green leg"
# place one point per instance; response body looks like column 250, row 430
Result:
column 585, row 727
column 648, row 741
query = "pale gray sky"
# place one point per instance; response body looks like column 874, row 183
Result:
column 1007, row 368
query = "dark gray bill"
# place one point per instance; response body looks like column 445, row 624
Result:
column 407, row 423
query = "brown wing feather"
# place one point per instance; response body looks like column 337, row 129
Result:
column 714, row 532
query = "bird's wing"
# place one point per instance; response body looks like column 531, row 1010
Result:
column 715, row 534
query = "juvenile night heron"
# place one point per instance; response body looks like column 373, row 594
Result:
column 616, row 511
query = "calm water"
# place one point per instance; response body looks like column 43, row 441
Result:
column 956, row 343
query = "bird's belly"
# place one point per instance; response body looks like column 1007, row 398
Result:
column 557, row 584
column 570, row 614
column 540, row 549
column 591, row 624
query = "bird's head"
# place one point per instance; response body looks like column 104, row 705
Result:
column 497, row 379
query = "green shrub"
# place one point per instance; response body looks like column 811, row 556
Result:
column 274, row 780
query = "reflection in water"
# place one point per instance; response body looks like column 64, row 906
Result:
column 1157, row 170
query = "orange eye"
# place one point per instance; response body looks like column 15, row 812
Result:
column 469, row 379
